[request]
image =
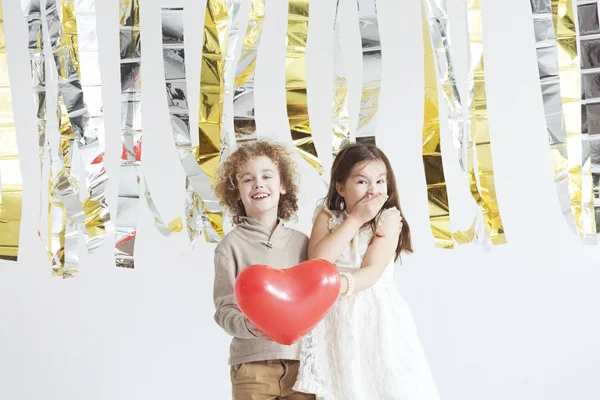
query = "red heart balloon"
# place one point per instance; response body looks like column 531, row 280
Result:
column 286, row 304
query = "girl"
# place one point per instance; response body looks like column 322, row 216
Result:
column 367, row 347
column 257, row 186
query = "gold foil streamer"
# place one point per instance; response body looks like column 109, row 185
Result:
column 589, row 46
column 547, row 57
column 340, row 122
column 11, row 181
column 295, row 82
column 437, row 193
column 131, row 139
column 468, row 141
column 371, row 50
column 483, row 186
column 213, row 145
column 244, row 123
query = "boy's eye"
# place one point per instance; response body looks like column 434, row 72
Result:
column 267, row 177
column 362, row 181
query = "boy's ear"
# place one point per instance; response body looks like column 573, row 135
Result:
column 340, row 189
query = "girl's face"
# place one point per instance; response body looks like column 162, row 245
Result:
column 367, row 178
column 260, row 187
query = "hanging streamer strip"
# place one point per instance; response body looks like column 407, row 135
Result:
column 437, row 193
column 131, row 139
column 340, row 121
column 217, row 66
column 479, row 150
column 244, row 122
column 68, row 218
column 470, row 141
column 589, row 46
column 295, row 82
column 371, row 55
column 176, row 88
column 11, row 180
column 547, row 59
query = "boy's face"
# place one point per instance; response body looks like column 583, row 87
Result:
column 260, row 187
column 369, row 178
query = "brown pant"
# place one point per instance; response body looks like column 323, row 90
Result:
column 266, row 380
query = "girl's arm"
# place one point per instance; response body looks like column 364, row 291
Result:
column 380, row 252
column 328, row 245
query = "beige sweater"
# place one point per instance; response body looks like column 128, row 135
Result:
column 252, row 243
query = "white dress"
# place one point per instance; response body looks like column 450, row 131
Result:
column 367, row 348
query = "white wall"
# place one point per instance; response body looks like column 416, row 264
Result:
column 520, row 322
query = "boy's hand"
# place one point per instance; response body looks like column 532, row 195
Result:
column 256, row 332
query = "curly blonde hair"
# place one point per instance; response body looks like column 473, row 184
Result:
column 227, row 185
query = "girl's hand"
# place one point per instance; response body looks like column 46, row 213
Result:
column 368, row 207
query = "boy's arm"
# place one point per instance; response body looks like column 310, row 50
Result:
column 228, row 314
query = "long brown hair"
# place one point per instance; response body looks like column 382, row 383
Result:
column 351, row 156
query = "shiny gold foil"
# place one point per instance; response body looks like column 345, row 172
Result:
column 470, row 140
column 295, row 82
column 483, row 186
column 11, row 181
column 340, row 122
column 213, row 145
column 437, row 194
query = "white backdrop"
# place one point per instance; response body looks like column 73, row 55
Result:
column 520, row 322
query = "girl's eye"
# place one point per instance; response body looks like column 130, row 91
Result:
column 267, row 177
column 362, row 181
column 247, row 180
column 381, row 181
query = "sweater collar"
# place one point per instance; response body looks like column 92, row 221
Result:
column 252, row 230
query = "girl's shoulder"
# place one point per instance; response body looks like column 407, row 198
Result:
column 335, row 218
column 391, row 212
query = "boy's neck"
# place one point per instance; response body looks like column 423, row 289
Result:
column 268, row 220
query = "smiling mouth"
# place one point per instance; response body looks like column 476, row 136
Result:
column 261, row 196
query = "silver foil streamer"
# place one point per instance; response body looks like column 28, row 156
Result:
column 68, row 217
column 176, row 88
column 589, row 48
column 228, row 137
column 438, row 24
column 340, row 121
column 371, row 55
column 244, row 122
column 131, row 140
column 547, row 57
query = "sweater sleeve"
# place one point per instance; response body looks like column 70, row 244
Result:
column 228, row 314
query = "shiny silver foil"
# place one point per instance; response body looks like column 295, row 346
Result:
column 371, row 79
